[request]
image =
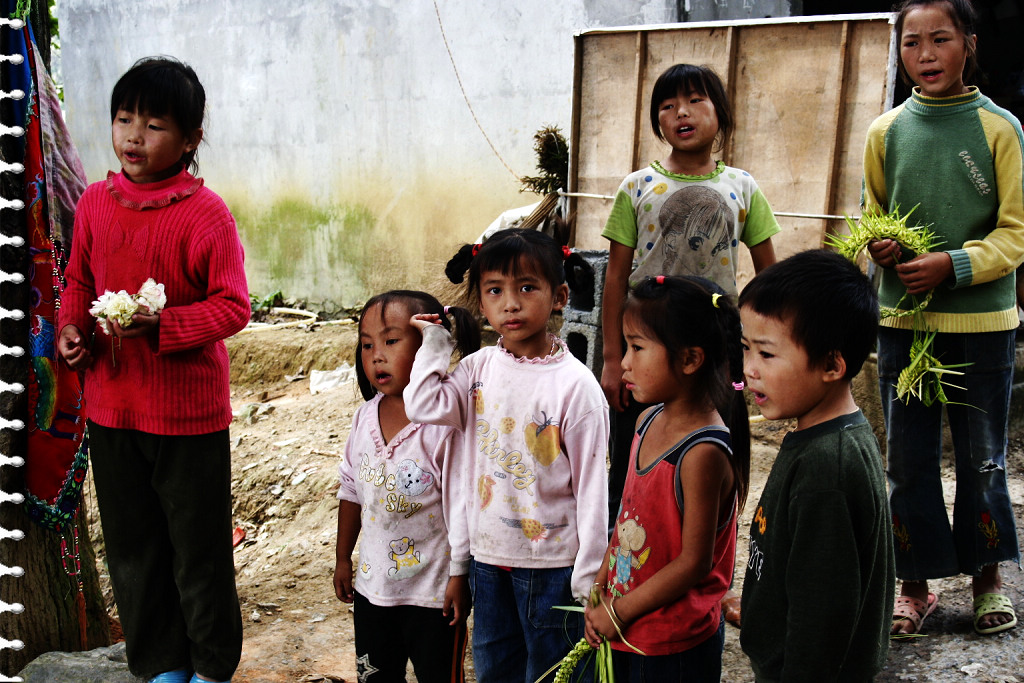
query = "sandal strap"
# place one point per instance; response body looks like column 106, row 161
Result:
column 991, row 603
column 911, row 609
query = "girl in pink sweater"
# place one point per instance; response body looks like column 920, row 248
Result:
column 156, row 388
column 532, row 467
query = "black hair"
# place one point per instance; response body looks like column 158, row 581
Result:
column 688, row 78
column 964, row 18
column 827, row 302
column 682, row 312
column 512, row 251
column 163, row 86
column 467, row 331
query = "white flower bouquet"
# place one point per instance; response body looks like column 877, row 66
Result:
column 121, row 306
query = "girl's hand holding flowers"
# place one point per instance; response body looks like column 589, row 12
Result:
column 130, row 315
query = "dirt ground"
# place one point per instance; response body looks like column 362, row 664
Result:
column 286, row 447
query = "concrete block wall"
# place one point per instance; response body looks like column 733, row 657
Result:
column 581, row 319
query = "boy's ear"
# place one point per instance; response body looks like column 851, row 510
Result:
column 561, row 297
column 835, row 366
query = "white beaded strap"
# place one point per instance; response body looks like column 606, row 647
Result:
column 8, row 573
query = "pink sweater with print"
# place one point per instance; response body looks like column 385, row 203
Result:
column 401, row 489
column 532, row 468
column 181, row 234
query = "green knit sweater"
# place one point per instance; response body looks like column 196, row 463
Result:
column 960, row 159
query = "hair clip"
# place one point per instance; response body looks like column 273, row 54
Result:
column 738, row 386
column 566, row 252
column 476, row 249
column 446, row 309
column 714, row 302
column 660, row 279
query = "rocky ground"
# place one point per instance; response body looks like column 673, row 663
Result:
column 286, row 446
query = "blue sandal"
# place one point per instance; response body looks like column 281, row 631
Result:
column 176, row 676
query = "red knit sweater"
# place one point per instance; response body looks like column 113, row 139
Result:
column 182, row 235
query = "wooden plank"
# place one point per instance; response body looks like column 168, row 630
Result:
column 731, row 45
column 638, row 95
column 574, row 130
column 804, row 91
column 838, row 133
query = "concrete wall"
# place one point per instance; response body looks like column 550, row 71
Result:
column 337, row 130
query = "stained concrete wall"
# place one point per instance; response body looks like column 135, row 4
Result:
column 338, row 131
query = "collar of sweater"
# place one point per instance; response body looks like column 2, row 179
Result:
column 140, row 196
column 939, row 106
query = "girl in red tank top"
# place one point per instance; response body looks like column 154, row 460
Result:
column 670, row 559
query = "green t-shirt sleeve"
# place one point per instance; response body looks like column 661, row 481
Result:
column 621, row 225
column 760, row 223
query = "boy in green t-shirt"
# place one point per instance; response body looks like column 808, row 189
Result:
column 820, row 580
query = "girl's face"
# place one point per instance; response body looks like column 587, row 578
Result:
column 387, row 347
column 689, row 122
column 150, row 147
column 518, row 307
column 647, row 370
column 933, row 50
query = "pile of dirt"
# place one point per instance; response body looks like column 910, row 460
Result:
column 286, row 446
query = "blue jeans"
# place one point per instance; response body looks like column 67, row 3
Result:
column 699, row 664
column 517, row 636
column 983, row 530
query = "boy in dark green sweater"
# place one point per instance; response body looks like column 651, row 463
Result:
column 820, row 580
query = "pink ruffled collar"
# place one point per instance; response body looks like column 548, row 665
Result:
column 550, row 358
column 139, row 196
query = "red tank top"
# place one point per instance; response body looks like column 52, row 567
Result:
column 648, row 535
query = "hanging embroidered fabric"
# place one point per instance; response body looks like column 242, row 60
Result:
column 57, row 453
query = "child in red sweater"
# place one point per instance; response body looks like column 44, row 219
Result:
column 156, row 390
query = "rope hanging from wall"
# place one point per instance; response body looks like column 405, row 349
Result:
column 466, row 97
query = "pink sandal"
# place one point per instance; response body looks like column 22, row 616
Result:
column 913, row 610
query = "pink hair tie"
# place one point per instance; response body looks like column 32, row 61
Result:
column 660, row 279
column 476, row 249
column 566, row 252
column 738, row 386
column 446, row 309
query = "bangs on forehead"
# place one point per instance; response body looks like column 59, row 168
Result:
column 147, row 103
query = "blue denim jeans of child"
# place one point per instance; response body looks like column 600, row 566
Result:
column 983, row 530
column 699, row 664
column 517, row 636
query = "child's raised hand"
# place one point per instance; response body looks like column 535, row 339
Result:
column 73, row 349
column 422, row 321
column 343, row 579
column 925, row 272
column 885, row 253
column 143, row 323
column 457, row 600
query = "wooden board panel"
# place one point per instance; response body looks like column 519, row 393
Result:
column 804, row 91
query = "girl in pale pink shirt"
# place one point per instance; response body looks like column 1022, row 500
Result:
column 411, row 599
column 532, row 464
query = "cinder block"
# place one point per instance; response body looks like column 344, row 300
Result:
column 584, row 342
column 585, row 300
